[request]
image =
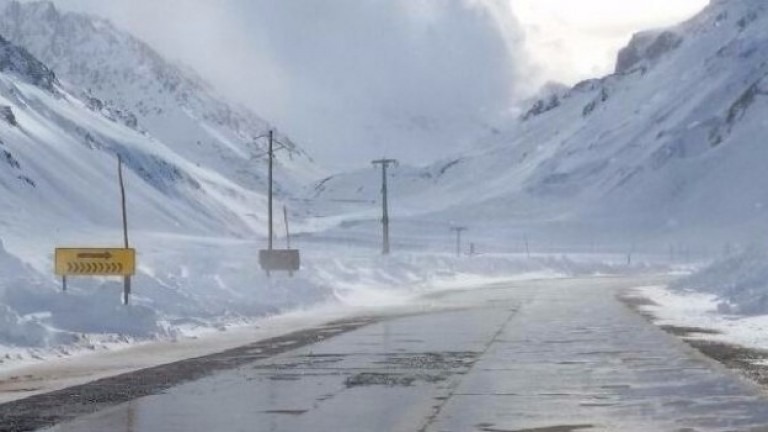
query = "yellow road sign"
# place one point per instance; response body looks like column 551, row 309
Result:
column 95, row 262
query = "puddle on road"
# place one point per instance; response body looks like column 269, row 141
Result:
column 285, row 377
column 309, row 361
column 366, row 379
column 430, row 361
column 285, row 412
column 295, row 376
column 444, row 365
column 486, row 427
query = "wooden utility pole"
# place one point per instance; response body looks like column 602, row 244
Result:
column 458, row 231
column 127, row 279
column 385, row 163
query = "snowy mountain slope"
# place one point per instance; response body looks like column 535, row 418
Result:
column 59, row 166
column 668, row 145
column 127, row 78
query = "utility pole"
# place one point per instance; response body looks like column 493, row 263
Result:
column 271, row 165
column 527, row 246
column 272, row 259
column 458, row 231
column 127, row 280
column 385, row 163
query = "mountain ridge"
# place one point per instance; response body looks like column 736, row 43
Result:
column 646, row 152
column 125, row 76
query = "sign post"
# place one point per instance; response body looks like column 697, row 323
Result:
column 101, row 261
column 127, row 278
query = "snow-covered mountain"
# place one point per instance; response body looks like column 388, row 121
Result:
column 126, row 78
column 672, row 143
column 77, row 92
column 58, row 153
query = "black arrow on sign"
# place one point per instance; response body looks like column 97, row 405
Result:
column 89, row 255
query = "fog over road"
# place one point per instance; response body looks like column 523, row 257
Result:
column 559, row 355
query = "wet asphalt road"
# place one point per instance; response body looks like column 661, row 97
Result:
column 546, row 356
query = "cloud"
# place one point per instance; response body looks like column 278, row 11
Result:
column 573, row 40
column 352, row 78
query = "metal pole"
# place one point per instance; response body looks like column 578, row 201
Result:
column 126, row 290
column 127, row 279
column 287, row 229
column 527, row 247
column 385, row 209
column 271, row 163
column 458, row 231
column 385, row 163
column 122, row 200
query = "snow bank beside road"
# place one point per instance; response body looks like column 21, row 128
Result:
column 698, row 315
column 740, row 282
column 186, row 286
column 725, row 302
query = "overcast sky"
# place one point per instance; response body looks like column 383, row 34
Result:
column 350, row 77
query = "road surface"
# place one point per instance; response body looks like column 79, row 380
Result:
column 543, row 356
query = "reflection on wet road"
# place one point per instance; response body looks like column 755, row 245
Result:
column 552, row 356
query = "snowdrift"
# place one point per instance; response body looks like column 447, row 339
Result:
column 740, row 282
column 196, row 285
